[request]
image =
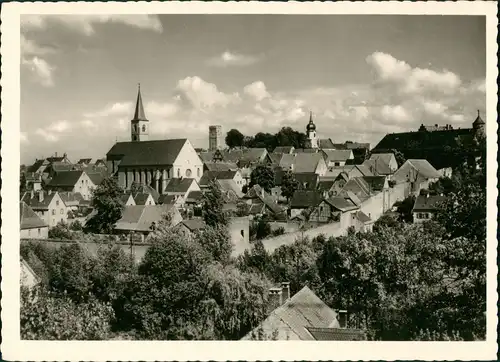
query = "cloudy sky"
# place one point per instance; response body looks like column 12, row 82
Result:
column 361, row 76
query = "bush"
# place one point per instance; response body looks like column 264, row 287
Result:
column 61, row 232
column 47, row 317
column 278, row 231
column 76, row 226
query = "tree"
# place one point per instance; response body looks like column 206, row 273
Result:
column 234, row 138
column 260, row 229
column 212, row 208
column 22, row 183
column 217, row 242
column 405, row 207
column 242, row 208
column 289, row 137
column 106, row 201
column 60, row 231
column 262, row 176
column 289, row 185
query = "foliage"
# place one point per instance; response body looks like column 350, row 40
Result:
column 405, row 207
column 60, row 231
column 284, row 137
column 278, row 231
column 213, row 203
column 386, row 220
column 256, row 260
column 217, row 242
column 260, row 229
column 22, row 183
column 400, row 158
column 242, row 209
column 45, row 316
column 262, row 176
column 106, row 201
column 289, row 185
column 76, row 226
column 234, row 138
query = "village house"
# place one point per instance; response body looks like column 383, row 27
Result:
column 303, row 316
column 141, row 220
column 334, row 209
column 143, row 198
column 331, row 186
column 180, row 189
column 234, row 175
column 47, row 205
column 262, row 203
column 336, row 158
column 426, row 206
column 382, row 164
column 32, row 226
column 127, row 200
column 152, row 163
column 304, row 201
column 418, row 173
column 284, row 150
column 73, row 181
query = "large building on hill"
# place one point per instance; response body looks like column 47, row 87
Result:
column 151, row 163
column 440, row 145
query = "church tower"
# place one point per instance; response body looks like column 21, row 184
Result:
column 139, row 124
column 478, row 127
column 312, row 139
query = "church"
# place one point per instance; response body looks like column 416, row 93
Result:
column 151, row 162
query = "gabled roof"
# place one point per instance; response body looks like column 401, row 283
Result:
column 230, row 189
column 301, row 311
column 307, row 162
column 377, row 166
column 147, row 153
column 28, row 218
column 427, row 202
column 220, row 166
column 96, row 177
column 194, row 224
column 308, row 180
column 63, row 167
column 304, row 199
column 337, row 334
column 125, row 197
column 56, row 159
column 325, row 185
column 194, row 197
column 365, row 219
column 276, row 157
column 35, row 203
column 245, row 155
column 167, row 199
column 84, row 160
column 341, row 203
column 65, row 179
column 337, row 155
column 146, row 189
column 424, row 168
column 385, row 157
column 357, row 186
column 209, row 176
column 69, row 197
column 140, row 217
column 36, row 166
column 326, row 144
column 283, row 149
column 256, row 209
column 256, row 192
column 179, row 185
column 287, row 160
column 351, row 146
column 140, row 198
column 375, row 183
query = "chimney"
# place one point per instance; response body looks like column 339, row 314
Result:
column 285, row 289
column 275, row 297
column 342, row 318
column 40, row 195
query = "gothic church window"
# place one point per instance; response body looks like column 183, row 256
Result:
column 143, row 128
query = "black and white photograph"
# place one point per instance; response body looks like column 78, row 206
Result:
column 250, row 176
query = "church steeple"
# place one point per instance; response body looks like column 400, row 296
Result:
column 139, row 124
column 139, row 109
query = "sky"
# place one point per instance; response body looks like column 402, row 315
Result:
column 362, row 76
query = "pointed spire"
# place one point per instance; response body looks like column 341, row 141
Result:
column 310, row 116
column 139, row 108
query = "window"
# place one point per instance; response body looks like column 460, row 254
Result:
column 143, row 128
column 188, row 173
column 39, row 232
column 57, row 203
column 62, row 211
column 53, row 211
column 242, row 232
column 29, row 232
column 198, row 172
column 178, row 173
column 337, row 163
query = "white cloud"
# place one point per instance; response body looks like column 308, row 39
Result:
column 84, row 24
column 41, row 71
column 59, row 126
column 257, row 90
column 30, row 47
column 89, row 125
column 48, row 136
column 394, row 114
column 24, row 138
column 114, row 109
column 434, row 107
column 157, row 109
column 230, row 59
column 199, row 94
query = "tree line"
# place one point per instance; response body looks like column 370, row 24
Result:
column 286, row 136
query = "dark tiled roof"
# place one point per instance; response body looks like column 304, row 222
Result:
column 35, row 203
column 146, row 189
column 358, row 186
column 431, row 146
column 179, row 185
column 194, row 197
column 147, row 153
column 283, row 149
column 36, row 166
column 65, row 179
column 194, row 224
column 140, row 198
column 167, row 199
column 337, row 155
column 361, row 216
column 308, row 180
column 337, row 334
column 71, row 197
column 55, row 159
column 427, row 202
column 124, row 198
column 84, row 160
column 385, row 157
column 96, row 177
column 28, row 218
column 375, row 183
column 276, row 157
column 256, row 209
column 304, row 199
column 256, row 192
column 351, row 146
column 424, row 168
column 377, row 166
column 325, row 185
column 306, row 162
column 220, row 166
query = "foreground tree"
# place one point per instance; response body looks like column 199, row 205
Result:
column 106, row 201
column 212, row 208
column 262, row 176
column 289, row 185
column 234, row 138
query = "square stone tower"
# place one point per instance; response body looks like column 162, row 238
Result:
column 214, row 137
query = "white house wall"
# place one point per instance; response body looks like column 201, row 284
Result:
column 188, row 159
